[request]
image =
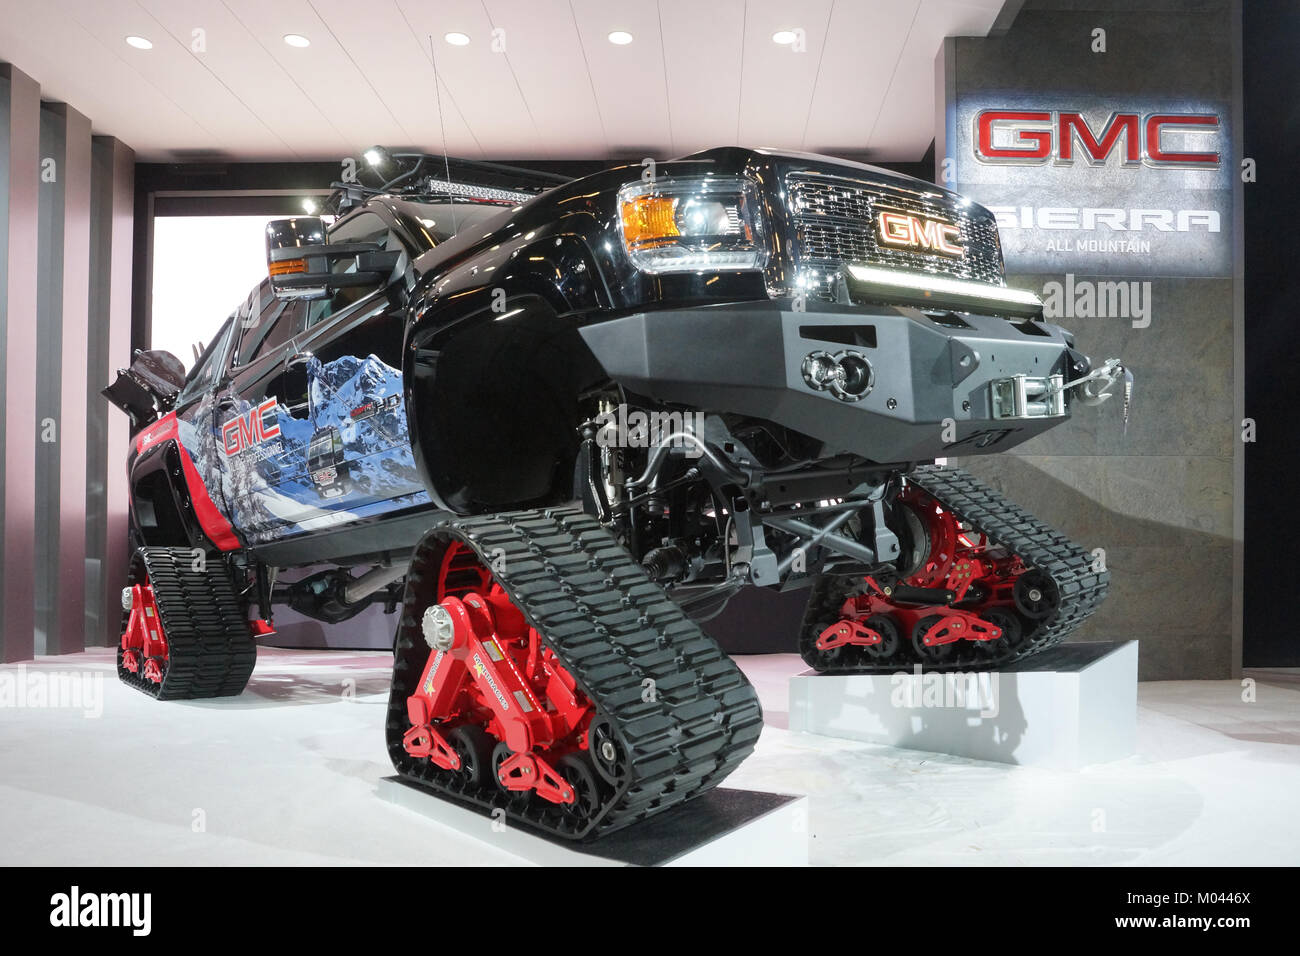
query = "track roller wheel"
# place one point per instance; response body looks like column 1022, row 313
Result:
column 474, row 747
column 930, row 653
column 500, row 754
column 891, row 636
column 1037, row 596
column 608, row 755
column 824, row 609
column 814, row 656
column 154, row 668
column 578, row 771
column 1012, row 631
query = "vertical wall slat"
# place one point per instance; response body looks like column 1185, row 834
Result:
column 112, row 200
column 20, row 179
column 115, row 302
column 70, row 636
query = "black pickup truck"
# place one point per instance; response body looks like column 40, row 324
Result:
column 558, row 423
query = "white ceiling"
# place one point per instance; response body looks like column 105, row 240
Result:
column 698, row 73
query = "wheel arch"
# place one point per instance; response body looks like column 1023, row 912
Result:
column 493, row 378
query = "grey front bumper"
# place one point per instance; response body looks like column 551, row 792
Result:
column 943, row 384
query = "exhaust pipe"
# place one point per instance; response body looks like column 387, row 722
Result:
column 373, row 580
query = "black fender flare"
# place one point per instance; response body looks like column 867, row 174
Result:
column 171, row 507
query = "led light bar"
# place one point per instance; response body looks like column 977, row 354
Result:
column 442, row 186
column 915, row 289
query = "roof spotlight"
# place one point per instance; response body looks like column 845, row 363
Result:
column 309, row 206
column 377, row 156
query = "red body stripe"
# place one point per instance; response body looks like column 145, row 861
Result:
column 211, row 520
column 214, row 523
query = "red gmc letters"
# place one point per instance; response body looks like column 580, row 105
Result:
column 244, row 431
column 1033, row 137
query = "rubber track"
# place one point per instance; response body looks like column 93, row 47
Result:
column 612, row 627
column 1082, row 588
column 210, row 648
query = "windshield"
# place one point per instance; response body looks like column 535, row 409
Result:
column 439, row 221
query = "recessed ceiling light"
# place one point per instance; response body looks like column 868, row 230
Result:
column 783, row 37
column 140, row 43
column 296, row 39
column 620, row 37
column 457, row 39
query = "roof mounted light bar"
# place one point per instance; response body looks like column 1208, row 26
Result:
column 437, row 187
column 415, row 175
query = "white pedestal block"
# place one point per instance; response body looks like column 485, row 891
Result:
column 721, row 828
column 1065, row 708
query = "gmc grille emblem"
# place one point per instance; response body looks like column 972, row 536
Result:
column 919, row 234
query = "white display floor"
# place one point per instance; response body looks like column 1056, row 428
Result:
column 289, row 773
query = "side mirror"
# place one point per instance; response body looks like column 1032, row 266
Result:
column 303, row 264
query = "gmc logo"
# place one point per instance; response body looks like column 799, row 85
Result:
column 1032, row 138
column 244, row 431
column 920, row 234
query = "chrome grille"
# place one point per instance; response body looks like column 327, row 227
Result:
column 834, row 223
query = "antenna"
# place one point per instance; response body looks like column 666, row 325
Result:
column 442, row 133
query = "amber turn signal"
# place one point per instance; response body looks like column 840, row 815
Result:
column 286, row 267
column 648, row 221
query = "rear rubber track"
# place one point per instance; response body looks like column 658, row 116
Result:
column 211, row 652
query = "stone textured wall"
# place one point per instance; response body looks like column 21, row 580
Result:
column 1158, row 499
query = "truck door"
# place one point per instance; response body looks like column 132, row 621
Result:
column 359, row 460
column 260, row 419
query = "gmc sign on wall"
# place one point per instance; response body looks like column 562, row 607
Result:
column 1038, row 137
column 1094, row 186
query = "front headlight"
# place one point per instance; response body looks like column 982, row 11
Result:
column 692, row 225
